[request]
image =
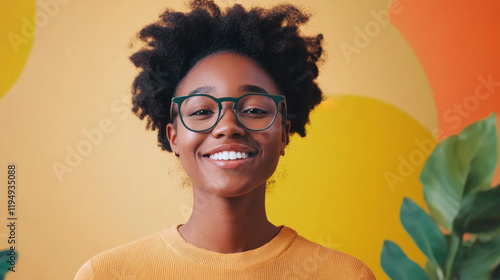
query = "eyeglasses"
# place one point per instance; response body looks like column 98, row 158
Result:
column 254, row 111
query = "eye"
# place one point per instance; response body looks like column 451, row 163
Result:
column 255, row 111
column 201, row 113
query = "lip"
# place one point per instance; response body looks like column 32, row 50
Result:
column 231, row 164
column 231, row 147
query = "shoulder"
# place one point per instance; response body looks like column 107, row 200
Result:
column 85, row 272
column 125, row 255
column 320, row 260
column 131, row 250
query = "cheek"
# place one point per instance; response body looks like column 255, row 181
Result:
column 271, row 135
column 270, row 140
column 188, row 143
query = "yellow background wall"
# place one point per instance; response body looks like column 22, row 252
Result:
column 64, row 101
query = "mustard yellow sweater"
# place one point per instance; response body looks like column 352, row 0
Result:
column 166, row 255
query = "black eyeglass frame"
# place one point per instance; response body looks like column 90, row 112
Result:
column 276, row 98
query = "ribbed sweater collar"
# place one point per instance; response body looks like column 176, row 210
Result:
column 271, row 250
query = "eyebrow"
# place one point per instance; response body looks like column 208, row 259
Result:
column 245, row 88
column 252, row 89
column 201, row 90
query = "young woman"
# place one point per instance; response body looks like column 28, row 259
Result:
column 225, row 91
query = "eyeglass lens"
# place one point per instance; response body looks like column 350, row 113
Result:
column 254, row 112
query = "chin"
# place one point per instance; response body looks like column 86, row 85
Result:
column 228, row 190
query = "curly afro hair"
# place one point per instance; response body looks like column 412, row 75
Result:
column 271, row 37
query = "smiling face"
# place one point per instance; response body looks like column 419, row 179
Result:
column 228, row 160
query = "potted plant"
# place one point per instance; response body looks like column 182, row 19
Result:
column 461, row 235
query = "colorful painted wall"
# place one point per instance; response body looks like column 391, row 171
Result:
column 399, row 75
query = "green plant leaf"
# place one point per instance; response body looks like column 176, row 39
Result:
column 456, row 253
column 480, row 260
column 398, row 266
column 424, row 231
column 496, row 273
column 479, row 212
column 461, row 164
column 488, row 236
column 4, row 265
column 433, row 272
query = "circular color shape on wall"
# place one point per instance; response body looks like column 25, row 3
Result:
column 343, row 184
column 17, row 33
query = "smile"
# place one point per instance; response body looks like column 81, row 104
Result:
column 230, row 155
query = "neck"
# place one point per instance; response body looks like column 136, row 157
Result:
column 228, row 224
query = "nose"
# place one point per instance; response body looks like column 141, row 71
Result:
column 228, row 124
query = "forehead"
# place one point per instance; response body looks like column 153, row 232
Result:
column 225, row 73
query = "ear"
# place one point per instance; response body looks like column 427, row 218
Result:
column 172, row 138
column 285, row 135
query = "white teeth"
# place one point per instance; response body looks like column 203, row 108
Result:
column 229, row 155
